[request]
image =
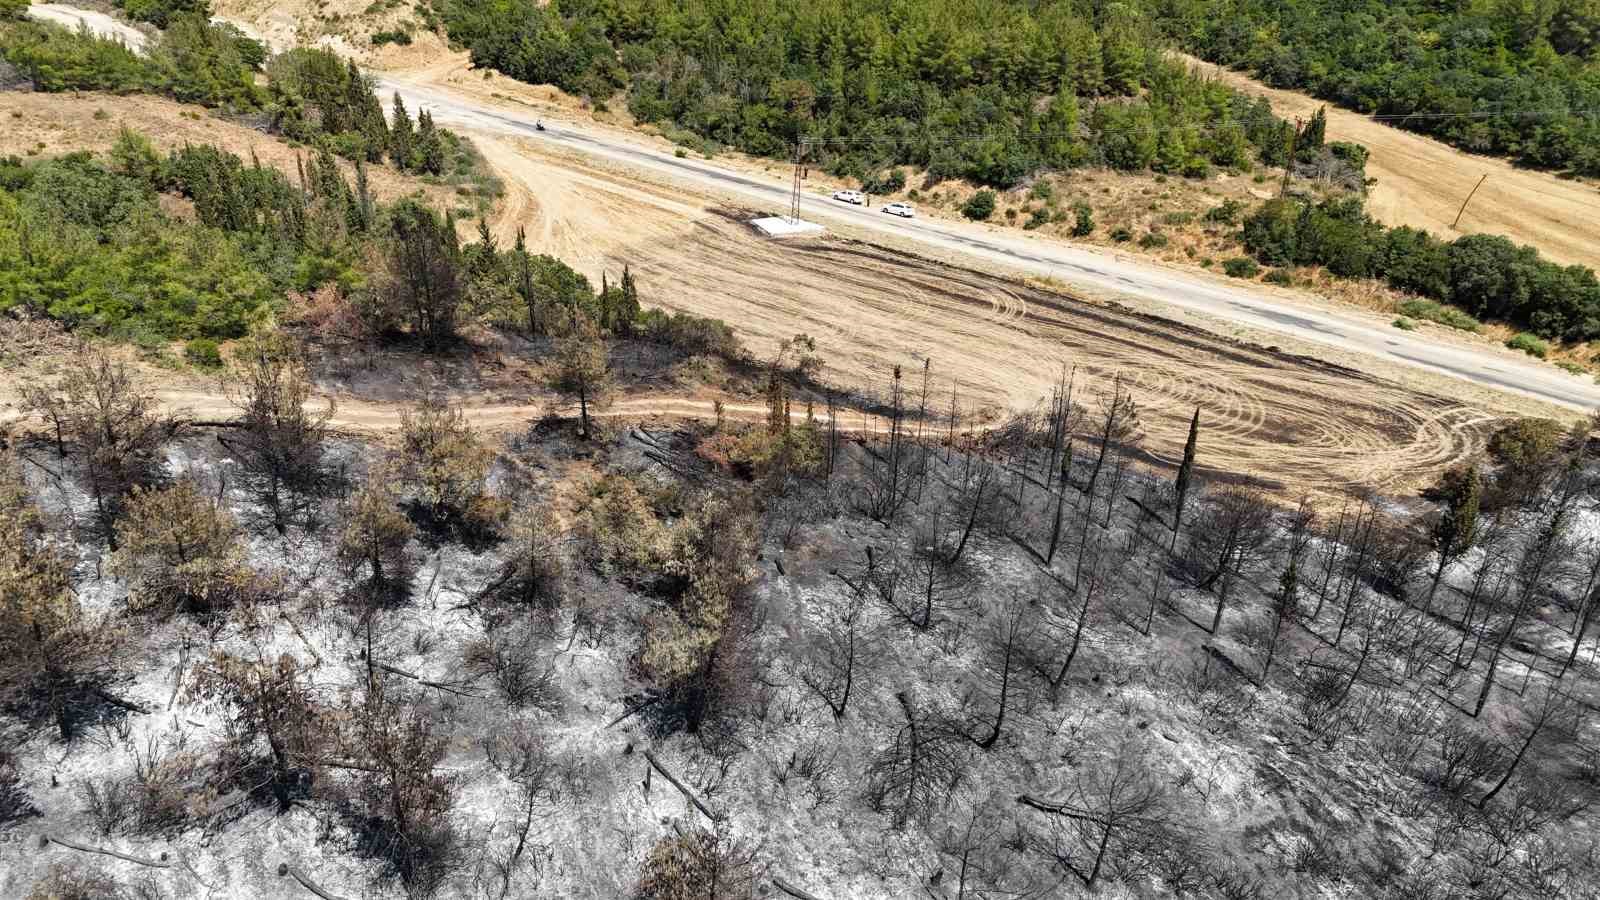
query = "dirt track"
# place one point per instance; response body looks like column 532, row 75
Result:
column 1294, row 423
column 1422, row 182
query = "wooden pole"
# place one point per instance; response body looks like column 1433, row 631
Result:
column 1469, row 200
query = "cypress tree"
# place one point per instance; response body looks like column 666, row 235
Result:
column 1185, row 475
column 402, row 138
column 430, row 146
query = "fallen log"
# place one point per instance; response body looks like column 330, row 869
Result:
column 688, row 794
column 47, row 839
column 305, row 881
column 791, row 890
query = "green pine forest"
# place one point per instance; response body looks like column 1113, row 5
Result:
column 1515, row 78
column 985, row 90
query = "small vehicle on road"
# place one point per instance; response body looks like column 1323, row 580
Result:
column 855, row 197
column 903, row 210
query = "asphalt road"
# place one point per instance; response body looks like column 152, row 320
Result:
column 1091, row 268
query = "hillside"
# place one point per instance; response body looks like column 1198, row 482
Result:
column 1423, row 182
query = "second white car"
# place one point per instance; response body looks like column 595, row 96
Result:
column 903, row 210
column 849, row 197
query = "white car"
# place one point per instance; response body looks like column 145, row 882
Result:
column 903, row 210
column 855, row 197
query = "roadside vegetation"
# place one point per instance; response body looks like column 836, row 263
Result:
column 988, row 93
column 87, row 242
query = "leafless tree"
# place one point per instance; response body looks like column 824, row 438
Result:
column 271, row 700
column 836, row 656
column 913, row 776
column 976, row 500
column 1118, row 422
column 1109, row 806
column 280, row 441
column 1543, row 554
column 114, row 426
column 1005, row 638
column 1553, row 716
column 1055, row 649
column 520, row 754
column 1226, row 541
column 984, row 856
column 407, row 798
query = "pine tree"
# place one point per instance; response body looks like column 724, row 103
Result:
column 1313, row 136
column 628, row 310
column 366, row 214
column 402, row 138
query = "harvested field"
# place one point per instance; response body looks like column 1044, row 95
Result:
column 1278, row 418
column 1422, row 182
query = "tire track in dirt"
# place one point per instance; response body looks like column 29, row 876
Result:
column 1293, row 423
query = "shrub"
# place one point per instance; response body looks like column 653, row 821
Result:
column 1525, row 440
column 1083, row 220
column 891, row 181
column 1405, row 324
column 1177, row 218
column 1279, row 276
column 203, row 353
column 980, row 206
column 1154, row 240
column 181, row 551
column 391, row 36
column 1571, row 367
column 1240, row 267
column 1042, row 190
column 1438, row 312
column 1272, row 233
column 1040, row 218
column 1225, row 214
column 1121, row 234
column 1529, row 344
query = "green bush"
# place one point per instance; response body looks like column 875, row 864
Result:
column 890, row 181
column 1526, row 441
column 1121, row 234
column 1083, row 220
column 1241, row 267
column 1571, row 367
column 202, row 353
column 1225, row 214
column 161, row 12
column 1404, row 324
column 391, row 36
column 1177, row 218
column 980, row 206
column 1154, row 240
column 1039, row 218
column 1280, row 277
column 1042, row 190
column 1437, row 312
column 1529, row 344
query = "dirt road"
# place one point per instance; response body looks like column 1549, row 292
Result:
column 1422, row 182
column 97, row 22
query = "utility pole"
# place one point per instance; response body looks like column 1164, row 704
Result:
column 794, row 194
column 1468, row 200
